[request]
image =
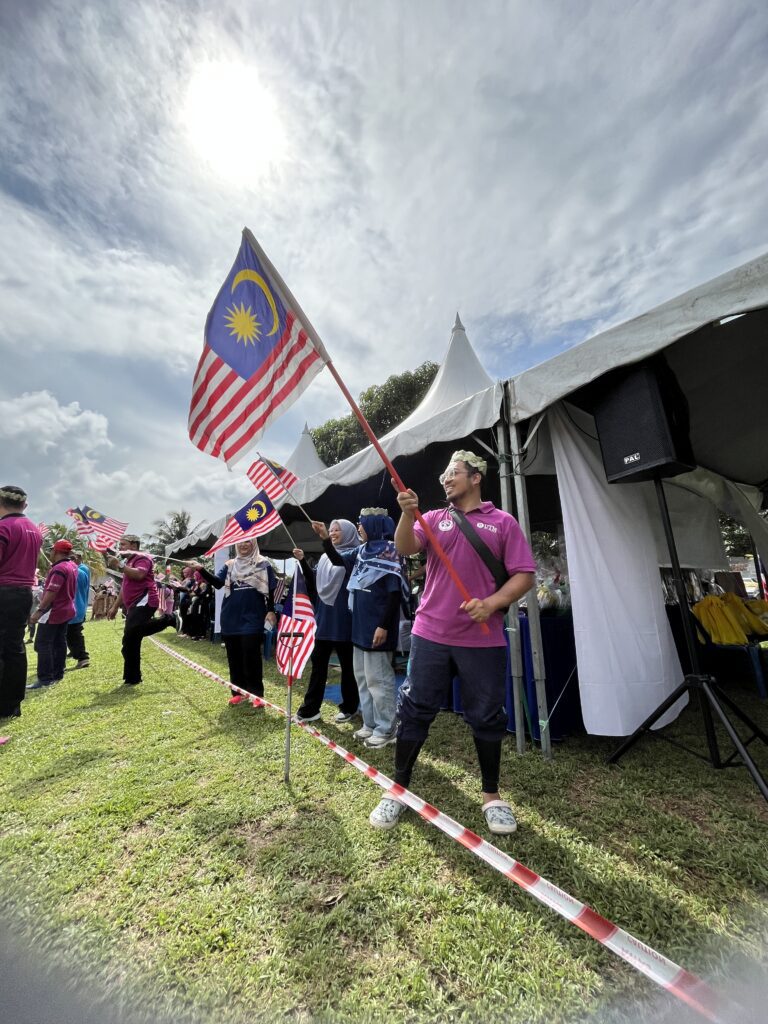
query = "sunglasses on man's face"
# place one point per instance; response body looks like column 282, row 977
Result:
column 449, row 474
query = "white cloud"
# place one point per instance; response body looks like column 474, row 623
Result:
column 35, row 422
column 547, row 170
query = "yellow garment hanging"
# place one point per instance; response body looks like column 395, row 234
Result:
column 719, row 620
column 748, row 621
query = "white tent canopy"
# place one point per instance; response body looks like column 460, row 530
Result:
column 461, row 399
column 714, row 339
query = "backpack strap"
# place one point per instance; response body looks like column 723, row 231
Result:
column 491, row 562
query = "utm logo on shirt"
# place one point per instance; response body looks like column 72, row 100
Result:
column 445, row 524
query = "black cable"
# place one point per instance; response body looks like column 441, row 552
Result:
column 583, row 431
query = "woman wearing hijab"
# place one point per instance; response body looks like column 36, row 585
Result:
column 334, row 626
column 249, row 587
column 376, row 586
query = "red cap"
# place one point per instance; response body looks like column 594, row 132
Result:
column 62, row 546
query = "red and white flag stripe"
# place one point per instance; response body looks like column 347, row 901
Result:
column 292, row 652
column 276, row 484
column 229, row 414
column 687, row 987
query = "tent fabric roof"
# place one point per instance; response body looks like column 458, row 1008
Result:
column 737, row 291
column 304, row 460
column 461, row 399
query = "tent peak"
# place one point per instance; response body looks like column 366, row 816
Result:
column 458, row 325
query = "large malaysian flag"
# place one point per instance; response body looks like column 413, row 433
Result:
column 260, row 353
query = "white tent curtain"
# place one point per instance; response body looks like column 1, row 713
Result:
column 627, row 659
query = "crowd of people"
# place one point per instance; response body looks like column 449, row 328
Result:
column 360, row 590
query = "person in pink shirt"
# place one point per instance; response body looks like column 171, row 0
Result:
column 447, row 639
column 56, row 608
column 20, row 544
column 140, row 599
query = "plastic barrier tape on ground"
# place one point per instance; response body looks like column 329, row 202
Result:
column 686, row 986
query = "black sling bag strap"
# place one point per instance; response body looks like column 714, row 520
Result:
column 491, row 562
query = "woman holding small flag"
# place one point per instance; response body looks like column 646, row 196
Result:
column 334, row 626
column 248, row 606
column 377, row 586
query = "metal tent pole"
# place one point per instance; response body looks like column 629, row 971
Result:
column 513, row 621
column 534, row 622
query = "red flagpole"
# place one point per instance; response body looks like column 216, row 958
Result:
column 438, row 549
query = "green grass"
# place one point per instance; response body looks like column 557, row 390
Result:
column 149, row 830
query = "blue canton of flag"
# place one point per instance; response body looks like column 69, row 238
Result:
column 260, row 353
column 253, row 520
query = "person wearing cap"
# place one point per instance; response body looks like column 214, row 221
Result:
column 20, row 544
column 56, row 608
column 75, row 638
column 447, row 638
column 139, row 599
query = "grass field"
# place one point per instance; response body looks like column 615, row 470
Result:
column 147, row 833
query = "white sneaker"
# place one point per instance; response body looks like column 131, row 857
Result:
column 386, row 813
column 374, row 742
column 343, row 716
column 307, row 718
column 362, row 733
column 499, row 818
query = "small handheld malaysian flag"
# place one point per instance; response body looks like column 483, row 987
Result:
column 292, row 652
column 267, row 475
column 252, row 520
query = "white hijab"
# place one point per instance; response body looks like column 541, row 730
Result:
column 248, row 571
column 329, row 578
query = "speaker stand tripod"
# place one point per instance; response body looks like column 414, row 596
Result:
column 709, row 695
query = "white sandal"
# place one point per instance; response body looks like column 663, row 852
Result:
column 499, row 817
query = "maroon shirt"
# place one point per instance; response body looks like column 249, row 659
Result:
column 61, row 581
column 20, row 544
column 133, row 591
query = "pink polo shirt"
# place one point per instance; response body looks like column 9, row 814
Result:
column 133, row 591
column 439, row 617
column 61, row 581
column 20, row 544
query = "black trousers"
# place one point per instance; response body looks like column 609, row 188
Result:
column 139, row 622
column 245, row 665
column 51, row 647
column 15, row 606
column 76, row 641
column 321, row 655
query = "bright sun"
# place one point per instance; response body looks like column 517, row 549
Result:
column 233, row 121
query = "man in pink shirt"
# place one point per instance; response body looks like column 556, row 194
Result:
column 140, row 599
column 20, row 544
column 52, row 615
column 447, row 638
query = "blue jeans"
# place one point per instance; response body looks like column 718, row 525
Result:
column 51, row 647
column 376, row 684
column 431, row 669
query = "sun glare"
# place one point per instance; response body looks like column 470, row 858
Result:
column 233, row 121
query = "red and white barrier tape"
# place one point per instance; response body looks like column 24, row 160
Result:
column 681, row 983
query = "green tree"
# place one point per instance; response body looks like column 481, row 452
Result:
column 383, row 405
column 58, row 531
column 738, row 541
column 174, row 527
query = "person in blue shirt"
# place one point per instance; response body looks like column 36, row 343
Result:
column 249, row 588
column 377, row 586
column 75, row 638
column 334, row 625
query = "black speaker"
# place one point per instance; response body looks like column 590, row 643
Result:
column 642, row 423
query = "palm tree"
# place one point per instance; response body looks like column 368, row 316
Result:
column 174, row 527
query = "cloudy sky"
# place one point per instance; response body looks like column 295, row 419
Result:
column 546, row 169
